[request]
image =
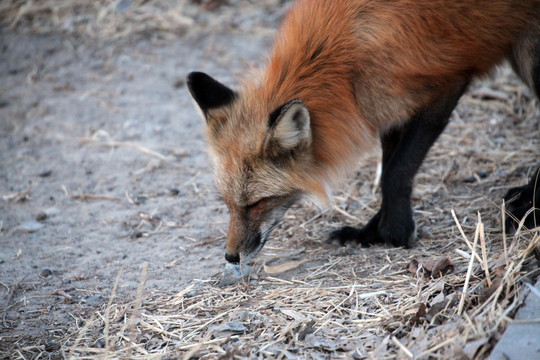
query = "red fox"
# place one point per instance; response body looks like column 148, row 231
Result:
column 341, row 74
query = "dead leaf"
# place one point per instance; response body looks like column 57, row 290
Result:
column 294, row 314
column 428, row 268
column 306, row 329
column 18, row 196
column 442, row 267
column 277, row 269
column 437, row 299
column 448, row 302
column 421, row 313
column 413, row 266
column 417, row 268
column 495, row 284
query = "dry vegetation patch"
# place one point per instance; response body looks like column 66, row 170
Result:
column 347, row 305
column 101, row 18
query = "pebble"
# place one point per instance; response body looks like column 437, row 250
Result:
column 45, row 173
column 29, row 226
column 233, row 274
column 45, row 273
column 41, row 216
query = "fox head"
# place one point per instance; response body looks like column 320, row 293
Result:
column 263, row 159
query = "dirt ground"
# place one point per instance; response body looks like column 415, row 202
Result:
column 106, row 147
column 103, row 169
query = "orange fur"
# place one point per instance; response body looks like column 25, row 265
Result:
column 379, row 62
column 364, row 66
column 360, row 67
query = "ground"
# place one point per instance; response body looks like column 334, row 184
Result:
column 108, row 147
column 103, row 169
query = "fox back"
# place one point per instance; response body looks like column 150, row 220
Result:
column 340, row 73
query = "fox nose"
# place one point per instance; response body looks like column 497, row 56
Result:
column 233, row 259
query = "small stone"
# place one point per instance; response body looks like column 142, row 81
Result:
column 29, row 226
column 140, row 199
column 234, row 273
column 45, row 173
column 482, row 174
column 45, row 273
column 41, row 216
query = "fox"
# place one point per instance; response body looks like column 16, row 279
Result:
column 342, row 77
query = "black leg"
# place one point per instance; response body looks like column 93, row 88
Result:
column 525, row 59
column 389, row 143
column 394, row 223
column 369, row 234
column 520, row 200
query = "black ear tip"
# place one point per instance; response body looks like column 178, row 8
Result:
column 195, row 77
column 197, row 74
column 208, row 92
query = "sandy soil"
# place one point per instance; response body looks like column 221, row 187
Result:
column 103, row 168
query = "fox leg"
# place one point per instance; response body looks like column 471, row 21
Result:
column 525, row 59
column 519, row 202
column 369, row 234
column 403, row 152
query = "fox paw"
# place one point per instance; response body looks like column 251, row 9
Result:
column 399, row 233
column 348, row 234
column 519, row 202
column 366, row 236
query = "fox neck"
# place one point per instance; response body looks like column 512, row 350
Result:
column 339, row 132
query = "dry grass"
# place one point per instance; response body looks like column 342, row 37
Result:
column 100, row 18
column 338, row 307
column 122, row 19
column 451, row 296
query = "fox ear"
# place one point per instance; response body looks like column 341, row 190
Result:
column 289, row 127
column 208, row 92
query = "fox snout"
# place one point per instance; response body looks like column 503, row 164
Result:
column 251, row 226
column 244, row 238
column 250, row 246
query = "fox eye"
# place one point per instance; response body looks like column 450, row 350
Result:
column 256, row 203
